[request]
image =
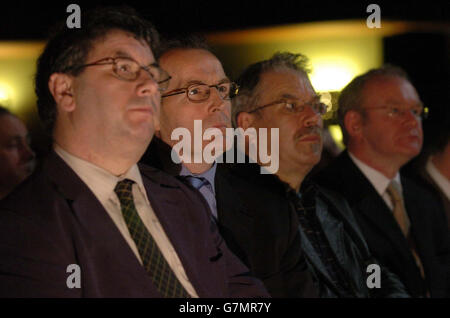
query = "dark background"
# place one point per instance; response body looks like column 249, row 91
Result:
column 31, row 19
column 425, row 56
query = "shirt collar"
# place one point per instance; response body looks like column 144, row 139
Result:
column 376, row 178
column 98, row 180
column 208, row 174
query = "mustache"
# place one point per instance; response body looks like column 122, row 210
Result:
column 308, row 131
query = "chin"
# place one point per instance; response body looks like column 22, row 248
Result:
column 412, row 148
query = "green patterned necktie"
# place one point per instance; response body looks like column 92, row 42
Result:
column 154, row 262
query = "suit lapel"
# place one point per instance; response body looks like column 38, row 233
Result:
column 166, row 206
column 229, row 206
column 366, row 201
column 419, row 221
column 333, row 229
column 313, row 257
column 98, row 231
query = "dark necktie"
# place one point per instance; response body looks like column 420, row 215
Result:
column 153, row 260
column 196, row 182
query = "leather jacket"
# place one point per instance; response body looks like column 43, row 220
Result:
column 340, row 228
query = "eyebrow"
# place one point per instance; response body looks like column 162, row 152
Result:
column 193, row 82
column 394, row 102
column 289, row 96
column 120, row 53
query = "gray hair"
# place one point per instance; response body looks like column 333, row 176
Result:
column 351, row 96
column 248, row 81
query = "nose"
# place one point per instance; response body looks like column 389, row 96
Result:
column 147, row 86
column 216, row 101
column 26, row 152
column 410, row 119
column 312, row 118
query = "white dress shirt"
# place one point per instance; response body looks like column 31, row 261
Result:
column 442, row 182
column 377, row 179
column 102, row 184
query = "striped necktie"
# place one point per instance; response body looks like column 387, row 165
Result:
column 153, row 260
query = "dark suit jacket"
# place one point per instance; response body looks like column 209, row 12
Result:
column 422, row 177
column 383, row 235
column 435, row 188
column 272, row 196
column 266, row 240
column 53, row 220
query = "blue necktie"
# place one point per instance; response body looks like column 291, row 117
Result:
column 196, row 182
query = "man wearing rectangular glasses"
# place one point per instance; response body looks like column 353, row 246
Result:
column 91, row 222
column 277, row 94
column 200, row 90
column 380, row 114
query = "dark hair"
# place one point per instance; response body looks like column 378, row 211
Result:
column 68, row 48
column 249, row 79
column 183, row 41
column 350, row 97
column 439, row 138
column 5, row 111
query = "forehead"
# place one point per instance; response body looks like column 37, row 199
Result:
column 285, row 83
column 121, row 43
column 11, row 126
column 389, row 89
column 185, row 65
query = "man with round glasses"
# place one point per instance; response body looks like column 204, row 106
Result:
column 91, row 222
column 200, row 90
column 277, row 94
column 380, row 114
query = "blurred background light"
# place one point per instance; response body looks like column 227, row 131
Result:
column 17, row 68
column 332, row 74
column 5, row 93
column 336, row 133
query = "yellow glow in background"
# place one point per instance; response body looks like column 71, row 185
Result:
column 17, row 70
column 337, row 51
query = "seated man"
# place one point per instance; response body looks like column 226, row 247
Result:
column 431, row 169
column 16, row 156
column 380, row 114
column 91, row 222
column 276, row 97
column 268, row 243
column 436, row 172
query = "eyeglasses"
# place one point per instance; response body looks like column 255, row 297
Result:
column 127, row 69
column 293, row 106
column 200, row 92
column 397, row 112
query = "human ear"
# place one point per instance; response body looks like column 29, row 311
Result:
column 60, row 86
column 353, row 123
